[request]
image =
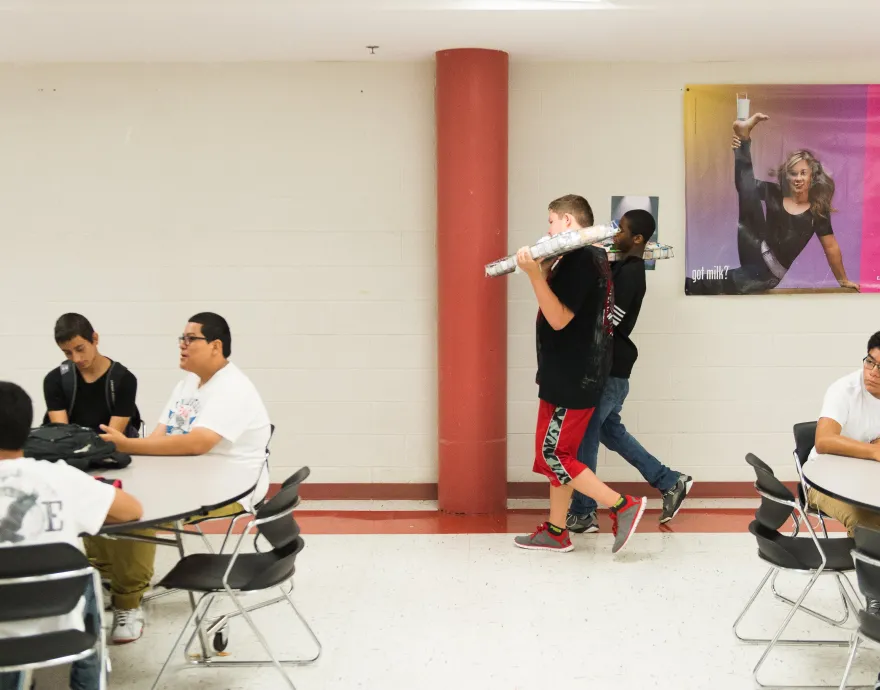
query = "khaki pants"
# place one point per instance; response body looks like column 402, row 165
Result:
column 845, row 513
column 129, row 564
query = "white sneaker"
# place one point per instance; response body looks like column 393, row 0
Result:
column 128, row 625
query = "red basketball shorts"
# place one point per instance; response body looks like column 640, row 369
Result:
column 559, row 434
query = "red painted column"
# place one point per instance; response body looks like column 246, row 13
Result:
column 471, row 118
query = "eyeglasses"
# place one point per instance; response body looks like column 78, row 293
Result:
column 870, row 364
column 189, row 339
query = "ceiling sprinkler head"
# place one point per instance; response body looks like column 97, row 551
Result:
column 372, row 49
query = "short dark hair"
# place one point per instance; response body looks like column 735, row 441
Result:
column 640, row 223
column 68, row 326
column 16, row 416
column 874, row 341
column 214, row 327
column 576, row 205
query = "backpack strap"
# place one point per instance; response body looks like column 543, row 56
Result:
column 68, row 384
column 114, row 376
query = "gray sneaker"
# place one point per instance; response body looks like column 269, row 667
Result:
column 673, row 498
column 582, row 523
column 625, row 521
column 542, row 540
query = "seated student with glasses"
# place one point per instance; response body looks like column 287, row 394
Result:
column 849, row 425
column 214, row 409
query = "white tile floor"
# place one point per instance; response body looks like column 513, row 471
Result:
column 471, row 611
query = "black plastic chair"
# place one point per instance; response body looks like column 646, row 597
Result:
column 867, row 561
column 805, row 555
column 232, row 518
column 804, row 441
column 42, row 581
column 237, row 573
column 180, row 529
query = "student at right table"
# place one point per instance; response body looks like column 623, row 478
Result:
column 849, row 425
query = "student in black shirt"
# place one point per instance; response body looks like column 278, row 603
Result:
column 636, row 228
column 88, row 388
column 574, row 333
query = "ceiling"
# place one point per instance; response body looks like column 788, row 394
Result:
column 340, row 30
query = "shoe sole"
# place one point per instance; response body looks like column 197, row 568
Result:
column 586, row 530
column 632, row 529
column 560, row 549
column 687, row 489
column 126, row 641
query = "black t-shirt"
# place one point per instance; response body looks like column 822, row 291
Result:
column 629, row 291
column 90, row 408
column 573, row 363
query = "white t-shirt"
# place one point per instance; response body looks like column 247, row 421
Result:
column 849, row 403
column 48, row 502
column 229, row 405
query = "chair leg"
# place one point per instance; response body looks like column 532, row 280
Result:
column 754, row 596
column 261, row 639
column 852, row 655
column 796, row 605
column 806, row 609
column 855, row 600
column 777, row 638
column 307, row 627
column 220, row 621
column 200, row 621
column 177, row 641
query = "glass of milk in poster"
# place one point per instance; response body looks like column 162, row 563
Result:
column 742, row 106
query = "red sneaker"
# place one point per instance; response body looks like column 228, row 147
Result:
column 542, row 540
column 625, row 520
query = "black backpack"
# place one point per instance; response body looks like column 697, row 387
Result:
column 114, row 376
column 78, row 446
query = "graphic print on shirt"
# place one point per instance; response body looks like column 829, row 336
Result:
column 28, row 509
column 182, row 416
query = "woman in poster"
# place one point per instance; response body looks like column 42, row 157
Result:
column 798, row 205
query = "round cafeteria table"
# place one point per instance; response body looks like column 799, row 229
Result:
column 173, row 488
column 852, row 480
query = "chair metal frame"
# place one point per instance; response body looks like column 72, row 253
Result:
column 813, row 512
column 100, row 646
column 842, row 583
column 208, row 599
column 858, row 636
column 180, row 528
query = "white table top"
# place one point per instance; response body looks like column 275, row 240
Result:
column 171, row 487
column 852, row 480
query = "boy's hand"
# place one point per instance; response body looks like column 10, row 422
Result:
column 529, row 266
column 113, row 436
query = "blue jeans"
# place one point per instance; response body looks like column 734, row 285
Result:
column 605, row 426
column 85, row 673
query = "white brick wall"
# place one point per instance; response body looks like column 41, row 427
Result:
column 716, row 377
column 298, row 201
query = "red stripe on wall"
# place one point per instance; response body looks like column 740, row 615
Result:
column 428, row 492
